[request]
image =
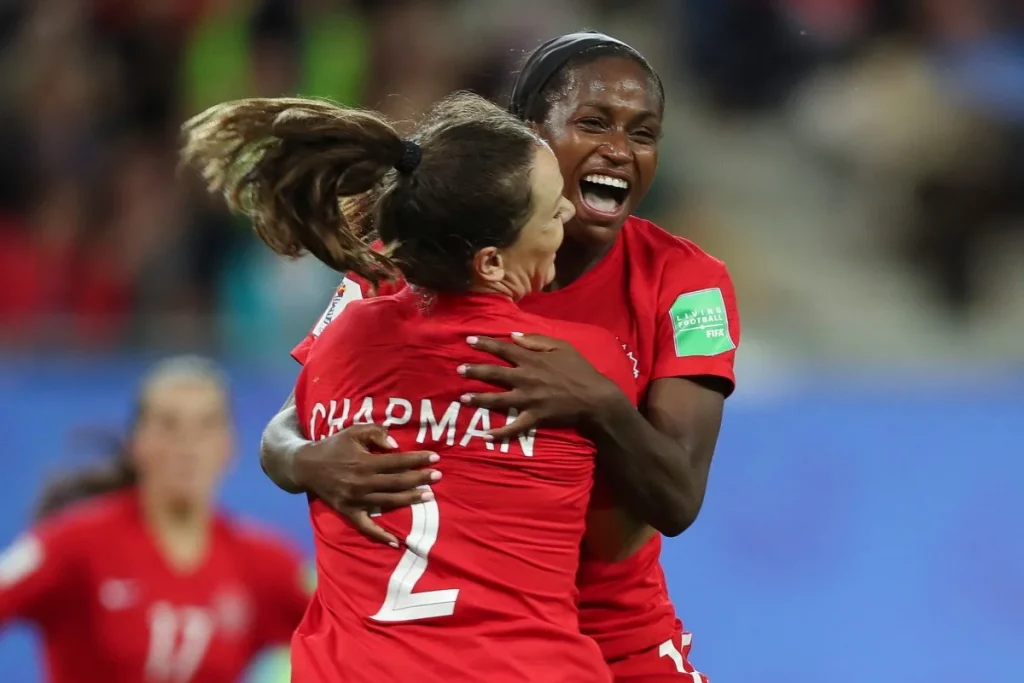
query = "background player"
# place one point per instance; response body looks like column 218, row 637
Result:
column 599, row 104
column 131, row 573
column 485, row 587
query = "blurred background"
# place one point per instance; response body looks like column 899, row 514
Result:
column 859, row 164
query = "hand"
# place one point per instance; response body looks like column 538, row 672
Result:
column 344, row 473
column 551, row 383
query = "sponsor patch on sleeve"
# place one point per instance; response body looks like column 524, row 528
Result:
column 21, row 559
column 700, row 324
column 348, row 291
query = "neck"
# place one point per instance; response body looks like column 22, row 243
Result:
column 502, row 288
column 181, row 531
column 576, row 258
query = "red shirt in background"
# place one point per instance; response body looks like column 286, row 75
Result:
column 110, row 608
column 484, row 587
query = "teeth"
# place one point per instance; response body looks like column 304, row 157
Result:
column 599, row 179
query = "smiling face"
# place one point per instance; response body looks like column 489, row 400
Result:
column 604, row 125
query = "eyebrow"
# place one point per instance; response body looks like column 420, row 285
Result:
column 608, row 111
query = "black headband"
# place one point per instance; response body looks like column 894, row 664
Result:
column 545, row 62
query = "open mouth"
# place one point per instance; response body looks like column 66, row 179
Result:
column 603, row 194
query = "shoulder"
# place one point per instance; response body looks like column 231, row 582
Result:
column 654, row 245
column 112, row 510
column 258, row 541
column 594, row 342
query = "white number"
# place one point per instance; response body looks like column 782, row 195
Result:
column 401, row 603
column 178, row 638
column 669, row 649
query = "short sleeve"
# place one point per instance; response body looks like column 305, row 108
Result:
column 39, row 570
column 609, row 357
column 698, row 326
column 352, row 288
column 281, row 586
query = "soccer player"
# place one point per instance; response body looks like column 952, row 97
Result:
column 599, row 104
column 473, row 213
column 131, row 573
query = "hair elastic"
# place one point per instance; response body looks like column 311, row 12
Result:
column 412, row 154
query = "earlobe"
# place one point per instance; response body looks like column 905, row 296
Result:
column 489, row 265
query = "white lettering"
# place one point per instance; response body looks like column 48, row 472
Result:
column 389, row 413
column 436, row 423
column 364, row 415
column 478, row 427
column 525, row 440
column 437, row 428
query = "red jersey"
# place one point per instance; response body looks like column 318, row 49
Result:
column 484, row 587
column 109, row 608
column 674, row 309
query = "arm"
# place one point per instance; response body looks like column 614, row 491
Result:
column 659, row 468
column 38, row 571
column 281, row 443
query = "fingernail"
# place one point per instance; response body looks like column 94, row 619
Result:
column 393, row 545
column 462, row 369
column 472, row 340
column 435, row 476
column 427, row 495
column 391, row 442
column 488, row 437
column 434, row 457
column 517, row 334
column 466, row 398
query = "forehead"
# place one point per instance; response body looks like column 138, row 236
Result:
column 546, row 176
column 184, row 395
column 614, row 82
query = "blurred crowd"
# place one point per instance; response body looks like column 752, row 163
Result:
column 913, row 109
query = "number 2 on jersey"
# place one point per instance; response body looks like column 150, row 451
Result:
column 401, row 602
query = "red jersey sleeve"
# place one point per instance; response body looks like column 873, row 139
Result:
column 352, row 288
column 280, row 587
column 40, row 570
column 698, row 324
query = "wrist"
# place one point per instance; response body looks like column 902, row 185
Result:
column 607, row 406
column 301, row 459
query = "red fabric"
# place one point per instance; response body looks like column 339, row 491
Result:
column 497, row 592
column 111, row 609
column 38, row 285
column 625, row 605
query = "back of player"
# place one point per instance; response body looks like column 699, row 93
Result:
column 484, row 588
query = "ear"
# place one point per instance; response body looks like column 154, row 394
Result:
column 489, row 265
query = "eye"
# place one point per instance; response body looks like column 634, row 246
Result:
column 591, row 123
column 645, row 136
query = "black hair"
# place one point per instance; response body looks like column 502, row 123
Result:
column 546, row 70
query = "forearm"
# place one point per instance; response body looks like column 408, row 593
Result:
column 651, row 474
column 279, row 446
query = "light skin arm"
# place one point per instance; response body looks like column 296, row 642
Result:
column 279, row 446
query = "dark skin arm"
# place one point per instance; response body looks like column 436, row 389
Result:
column 656, row 462
column 352, row 471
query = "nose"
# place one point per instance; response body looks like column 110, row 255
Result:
column 616, row 149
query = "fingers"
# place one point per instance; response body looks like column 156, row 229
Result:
column 405, row 481
column 391, row 501
column 492, row 374
column 535, row 342
column 497, row 401
column 522, row 424
column 504, row 350
column 362, row 522
column 372, row 437
column 401, row 462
